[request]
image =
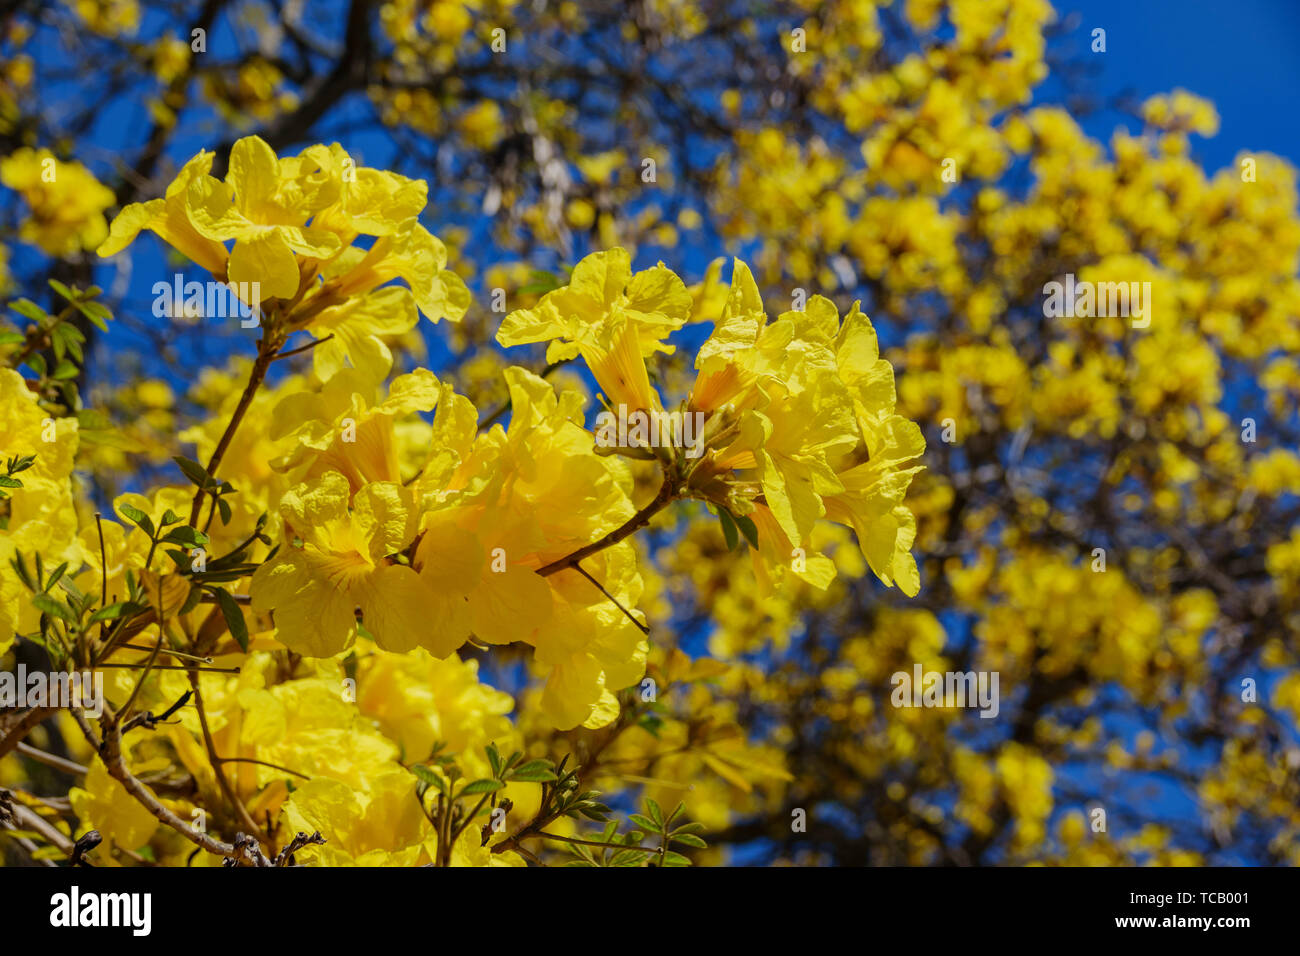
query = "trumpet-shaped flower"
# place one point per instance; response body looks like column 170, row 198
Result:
column 341, row 428
column 340, row 559
column 610, row 317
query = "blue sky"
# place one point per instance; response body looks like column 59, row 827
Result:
column 1244, row 55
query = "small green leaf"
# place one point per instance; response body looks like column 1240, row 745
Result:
column 728, row 529
column 57, row 573
column 53, row 608
column 747, row 528
column 138, row 517
column 656, row 814
column 185, row 535
column 689, row 839
column 64, row 370
column 194, row 471
column 113, row 611
column 534, row 771
column 234, row 617
column 644, row 823
column 29, row 310
column 429, row 777
column 63, row 290
column 96, row 313
column 486, row 785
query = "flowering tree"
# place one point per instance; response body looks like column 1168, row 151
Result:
column 349, row 570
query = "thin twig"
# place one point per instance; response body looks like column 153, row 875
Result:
column 302, row 348
column 615, row 601
column 51, row 760
column 632, row 525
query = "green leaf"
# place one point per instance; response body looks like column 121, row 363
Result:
column 48, row 605
column 63, row 290
column 540, row 282
column 191, row 601
column 64, row 370
column 113, row 611
column 223, row 509
column 20, row 568
column 645, row 823
column 10, row 337
column 656, row 814
column 747, row 528
column 185, row 535
column 138, row 517
column 234, row 617
column 7, row 482
column 535, row 771
column 486, row 785
column 29, row 310
column 195, row 472
column 96, row 312
column 689, row 839
column 93, row 418
column 57, row 573
column 675, row 859
column 728, row 529
column 429, row 777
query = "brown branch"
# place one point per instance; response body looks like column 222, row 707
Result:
column 110, row 752
column 14, row 727
column 265, row 356
column 667, row 493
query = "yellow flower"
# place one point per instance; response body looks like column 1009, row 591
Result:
column 67, row 202
column 292, row 221
column 41, row 512
column 338, row 560
column 264, row 206
column 104, row 805
column 501, row 506
column 420, row 701
column 807, row 406
column 341, row 428
column 380, row 826
column 614, row 319
column 169, row 218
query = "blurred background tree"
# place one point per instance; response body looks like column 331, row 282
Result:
column 1108, row 518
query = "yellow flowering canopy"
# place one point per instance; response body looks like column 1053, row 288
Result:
column 491, row 433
